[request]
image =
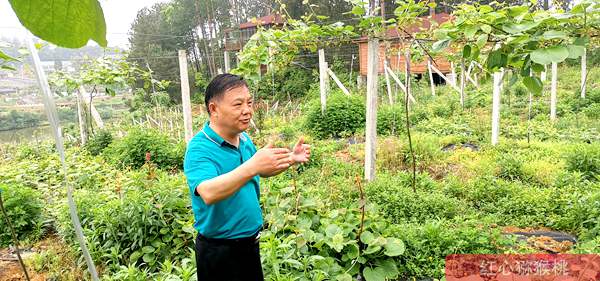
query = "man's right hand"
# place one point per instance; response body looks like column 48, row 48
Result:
column 268, row 160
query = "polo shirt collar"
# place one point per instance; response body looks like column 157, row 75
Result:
column 213, row 136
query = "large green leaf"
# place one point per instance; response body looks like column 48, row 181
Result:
column 496, row 59
column 554, row 34
column 390, row 268
column 533, row 83
column 394, row 247
column 519, row 27
column 374, row 274
column 440, row 45
column 65, row 23
column 550, row 55
column 575, row 51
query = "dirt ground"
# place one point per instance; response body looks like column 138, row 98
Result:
column 10, row 270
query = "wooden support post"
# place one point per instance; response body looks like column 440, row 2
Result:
column 88, row 101
column 553, row 84
column 431, row 82
column 227, row 61
column 337, row 81
column 185, row 96
column 83, row 132
column 322, row 80
column 583, row 73
column 387, row 82
column 371, row 122
column 496, row 106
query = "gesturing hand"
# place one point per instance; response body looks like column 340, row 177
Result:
column 301, row 152
column 268, row 160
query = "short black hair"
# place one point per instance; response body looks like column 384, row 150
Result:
column 220, row 84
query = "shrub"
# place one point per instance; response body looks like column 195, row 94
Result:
column 131, row 150
column 585, row 158
column 428, row 244
column 390, row 120
column 147, row 223
column 511, row 167
column 99, row 142
column 290, row 83
column 23, row 206
column 399, row 203
column 344, row 116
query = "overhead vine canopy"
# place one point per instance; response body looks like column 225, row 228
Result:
column 518, row 38
column 278, row 47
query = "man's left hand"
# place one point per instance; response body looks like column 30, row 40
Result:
column 301, row 152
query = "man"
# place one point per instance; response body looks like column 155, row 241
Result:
column 223, row 167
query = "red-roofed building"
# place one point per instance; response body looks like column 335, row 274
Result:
column 396, row 37
column 236, row 38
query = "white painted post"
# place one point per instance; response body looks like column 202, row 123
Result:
column 432, row 84
column 227, row 61
column 387, row 82
column 448, row 81
column 82, row 120
column 185, row 96
column 543, row 75
column 462, row 83
column 402, row 86
column 496, row 106
column 322, row 80
column 337, row 81
column 553, row 84
column 583, row 73
column 50, row 108
column 371, row 125
column 453, row 73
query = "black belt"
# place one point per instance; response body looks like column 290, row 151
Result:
column 244, row 240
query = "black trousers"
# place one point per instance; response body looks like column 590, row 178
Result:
column 228, row 259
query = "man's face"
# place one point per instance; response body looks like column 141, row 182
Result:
column 233, row 111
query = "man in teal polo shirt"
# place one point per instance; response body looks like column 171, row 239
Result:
column 223, row 170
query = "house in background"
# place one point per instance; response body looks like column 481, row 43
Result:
column 236, row 38
column 397, row 61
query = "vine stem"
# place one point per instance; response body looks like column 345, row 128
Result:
column 362, row 203
column 14, row 237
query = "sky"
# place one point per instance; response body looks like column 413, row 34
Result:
column 119, row 14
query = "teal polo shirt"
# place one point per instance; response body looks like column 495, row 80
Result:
column 207, row 156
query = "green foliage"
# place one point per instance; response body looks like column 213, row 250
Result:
column 391, row 120
column 585, row 158
column 145, row 223
column 428, row 243
column 99, row 142
column 344, row 116
column 289, row 83
column 19, row 119
column 72, row 24
column 511, row 167
column 394, row 196
column 23, row 206
column 130, row 151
